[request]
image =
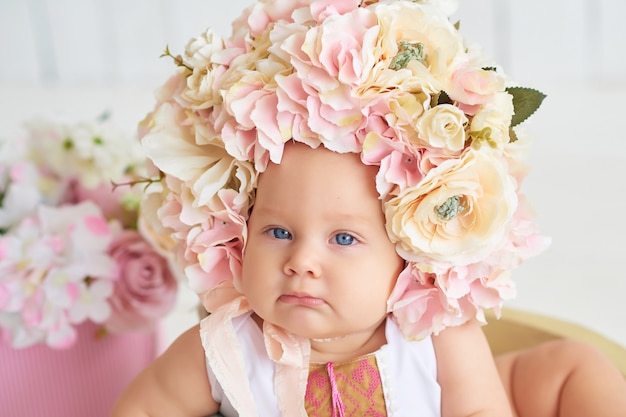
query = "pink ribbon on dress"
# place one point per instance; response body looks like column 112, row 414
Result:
column 291, row 354
column 224, row 355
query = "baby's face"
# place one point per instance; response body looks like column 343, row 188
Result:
column 318, row 261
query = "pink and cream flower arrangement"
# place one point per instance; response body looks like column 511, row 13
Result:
column 70, row 249
column 393, row 80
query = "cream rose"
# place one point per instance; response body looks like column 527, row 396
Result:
column 458, row 214
column 198, row 51
column 493, row 120
column 443, row 127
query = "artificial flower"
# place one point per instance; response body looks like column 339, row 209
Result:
column 201, row 53
column 457, row 214
column 64, row 245
column 443, row 127
column 472, row 86
column 391, row 80
column 145, row 287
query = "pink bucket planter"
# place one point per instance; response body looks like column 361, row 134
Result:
column 84, row 380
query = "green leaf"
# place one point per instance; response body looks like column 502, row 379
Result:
column 525, row 102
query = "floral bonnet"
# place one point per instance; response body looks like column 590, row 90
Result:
column 392, row 80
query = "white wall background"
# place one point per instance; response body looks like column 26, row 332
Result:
column 80, row 57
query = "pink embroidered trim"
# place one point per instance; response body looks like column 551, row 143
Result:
column 338, row 407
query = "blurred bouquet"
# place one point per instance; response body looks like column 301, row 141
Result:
column 70, row 248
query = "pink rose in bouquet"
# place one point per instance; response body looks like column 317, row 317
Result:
column 145, row 288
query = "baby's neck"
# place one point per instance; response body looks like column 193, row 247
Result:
column 345, row 347
column 350, row 346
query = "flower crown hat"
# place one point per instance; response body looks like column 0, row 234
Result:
column 393, row 81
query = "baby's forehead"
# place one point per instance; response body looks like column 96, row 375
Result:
column 304, row 164
column 318, row 173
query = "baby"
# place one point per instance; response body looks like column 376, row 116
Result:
column 318, row 264
column 341, row 183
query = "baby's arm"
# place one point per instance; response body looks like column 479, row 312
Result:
column 466, row 371
column 174, row 385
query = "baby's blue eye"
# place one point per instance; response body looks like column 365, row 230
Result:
column 344, row 239
column 279, row 233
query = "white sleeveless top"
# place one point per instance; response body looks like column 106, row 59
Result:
column 408, row 371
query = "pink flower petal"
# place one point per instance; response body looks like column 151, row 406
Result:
column 97, row 225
